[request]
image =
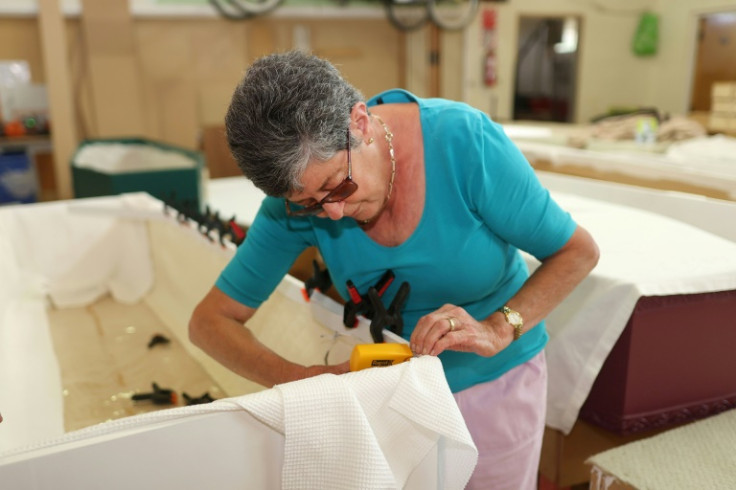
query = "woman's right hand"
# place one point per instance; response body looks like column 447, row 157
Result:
column 452, row 328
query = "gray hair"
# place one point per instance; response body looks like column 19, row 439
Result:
column 289, row 108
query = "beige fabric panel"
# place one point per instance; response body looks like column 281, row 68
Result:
column 104, row 359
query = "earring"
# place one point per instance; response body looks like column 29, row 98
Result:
column 370, row 141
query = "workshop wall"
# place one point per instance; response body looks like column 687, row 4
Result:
column 188, row 67
column 609, row 74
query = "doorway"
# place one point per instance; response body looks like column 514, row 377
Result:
column 546, row 69
column 715, row 57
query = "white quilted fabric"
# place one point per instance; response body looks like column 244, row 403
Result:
column 350, row 431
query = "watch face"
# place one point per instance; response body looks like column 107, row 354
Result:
column 515, row 318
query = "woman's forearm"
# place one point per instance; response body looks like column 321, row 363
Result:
column 554, row 280
column 217, row 326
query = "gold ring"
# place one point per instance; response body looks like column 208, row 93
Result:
column 452, row 320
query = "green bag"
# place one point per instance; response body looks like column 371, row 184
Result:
column 647, row 35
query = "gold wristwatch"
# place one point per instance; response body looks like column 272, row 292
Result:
column 515, row 320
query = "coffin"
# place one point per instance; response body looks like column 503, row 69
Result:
column 645, row 341
column 87, row 284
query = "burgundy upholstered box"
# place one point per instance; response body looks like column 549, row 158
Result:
column 674, row 362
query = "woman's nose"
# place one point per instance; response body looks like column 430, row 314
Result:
column 334, row 210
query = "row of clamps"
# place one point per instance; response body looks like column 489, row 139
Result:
column 207, row 222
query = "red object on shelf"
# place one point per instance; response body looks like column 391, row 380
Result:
column 14, row 128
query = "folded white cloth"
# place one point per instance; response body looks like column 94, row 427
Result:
column 52, row 250
column 368, row 429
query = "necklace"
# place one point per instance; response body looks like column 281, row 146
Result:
column 389, row 139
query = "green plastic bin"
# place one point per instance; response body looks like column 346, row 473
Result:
column 182, row 185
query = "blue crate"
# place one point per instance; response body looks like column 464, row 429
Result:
column 17, row 178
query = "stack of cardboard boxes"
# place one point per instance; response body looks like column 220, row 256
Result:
column 723, row 107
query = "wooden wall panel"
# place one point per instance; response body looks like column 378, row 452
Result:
column 20, row 39
column 367, row 53
column 179, row 121
column 64, row 135
column 213, row 99
column 182, row 71
column 112, row 64
column 218, row 50
column 261, row 39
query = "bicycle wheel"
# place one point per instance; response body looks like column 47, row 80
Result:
column 452, row 15
column 243, row 9
column 229, row 11
column 257, row 7
column 407, row 15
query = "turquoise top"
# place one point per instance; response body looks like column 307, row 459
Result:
column 483, row 203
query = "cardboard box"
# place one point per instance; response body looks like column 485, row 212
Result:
column 723, row 89
column 183, row 185
column 726, row 106
column 720, row 121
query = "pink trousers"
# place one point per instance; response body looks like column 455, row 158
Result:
column 506, row 420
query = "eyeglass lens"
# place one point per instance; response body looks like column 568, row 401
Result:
column 345, row 189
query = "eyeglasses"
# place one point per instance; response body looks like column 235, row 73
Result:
column 344, row 189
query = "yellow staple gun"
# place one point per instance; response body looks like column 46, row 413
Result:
column 385, row 354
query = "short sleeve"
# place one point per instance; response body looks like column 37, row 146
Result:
column 271, row 246
column 507, row 194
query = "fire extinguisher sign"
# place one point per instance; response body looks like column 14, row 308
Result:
column 489, row 47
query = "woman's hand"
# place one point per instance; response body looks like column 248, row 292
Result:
column 452, row 328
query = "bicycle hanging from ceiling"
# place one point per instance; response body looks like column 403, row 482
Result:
column 406, row 15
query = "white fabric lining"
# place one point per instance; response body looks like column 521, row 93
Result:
column 41, row 245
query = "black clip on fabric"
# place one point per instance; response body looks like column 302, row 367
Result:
column 360, row 305
column 390, row 319
column 205, row 222
column 320, row 280
column 159, row 396
column 190, row 400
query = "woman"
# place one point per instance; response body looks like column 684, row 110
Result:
column 434, row 191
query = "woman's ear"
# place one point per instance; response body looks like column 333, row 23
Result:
column 360, row 119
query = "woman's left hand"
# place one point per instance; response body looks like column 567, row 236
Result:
column 452, row 328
